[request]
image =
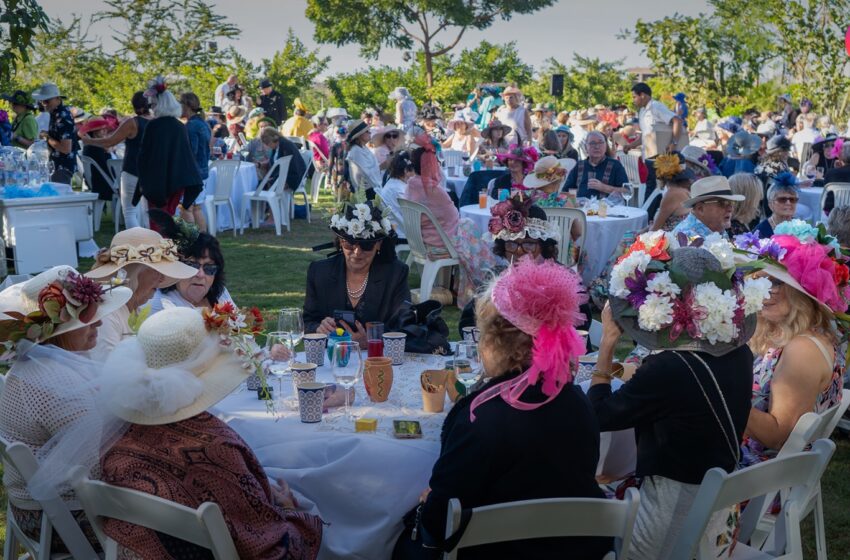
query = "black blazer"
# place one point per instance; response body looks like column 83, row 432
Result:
column 386, row 292
column 677, row 434
column 297, row 166
column 166, row 162
column 508, row 455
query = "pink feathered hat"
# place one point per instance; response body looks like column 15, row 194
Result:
column 541, row 300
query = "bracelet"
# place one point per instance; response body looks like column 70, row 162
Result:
column 606, row 376
column 616, row 371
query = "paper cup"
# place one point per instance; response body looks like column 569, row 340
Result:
column 468, row 334
column 310, row 399
column 394, row 343
column 302, row 373
column 378, row 378
column 314, row 348
column 434, row 390
column 586, row 364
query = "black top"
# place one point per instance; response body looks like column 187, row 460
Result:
column 99, row 184
column 166, row 162
column 508, row 455
column 62, row 128
column 274, row 105
column 502, row 182
column 837, row 175
column 297, row 167
column 132, row 146
column 677, row 434
column 608, row 170
column 386, row 292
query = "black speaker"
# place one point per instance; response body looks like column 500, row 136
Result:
column 556, row 85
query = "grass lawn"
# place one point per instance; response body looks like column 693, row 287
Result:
column 271, row 272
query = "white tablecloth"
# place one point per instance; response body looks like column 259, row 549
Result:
column 810, row 198
column 244, row 181
column 360, row 483
column 604, row 234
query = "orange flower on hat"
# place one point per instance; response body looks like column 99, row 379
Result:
column 655, row 248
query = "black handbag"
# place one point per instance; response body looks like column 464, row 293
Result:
column 411, row 543
column 426, row 330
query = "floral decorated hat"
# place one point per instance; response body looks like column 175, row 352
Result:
column 354, row 222
column 511, row 220
column 804, row 257
column 528, row 156
column 671, row 294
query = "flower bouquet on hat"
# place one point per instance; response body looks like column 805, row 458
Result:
column 669, row 292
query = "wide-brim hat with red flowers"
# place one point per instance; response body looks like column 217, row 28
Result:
column 528, row 156
column 26, row 298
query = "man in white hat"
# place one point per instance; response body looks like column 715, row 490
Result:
column 712, row 203
column 61, row 133
column 513, row 114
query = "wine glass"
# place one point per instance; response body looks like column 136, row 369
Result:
column 291, row 321
column 347, row 366
column 627, row 194
column 277, row 368
column 467, row 364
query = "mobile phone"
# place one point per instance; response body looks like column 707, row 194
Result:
column 407, row 429
column 347, row 316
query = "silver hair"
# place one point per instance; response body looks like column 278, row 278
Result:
column 839, row 225
column 775, row 190
column 166, row 105
column 595, row 133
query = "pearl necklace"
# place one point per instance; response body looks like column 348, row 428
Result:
column 358, row 293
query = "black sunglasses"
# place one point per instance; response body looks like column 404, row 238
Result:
column 209, row 269
column 365, row 245
column 391, row 135
column 527, row 246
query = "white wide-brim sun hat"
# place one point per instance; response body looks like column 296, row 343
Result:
column 172, row 370
column 23, row 298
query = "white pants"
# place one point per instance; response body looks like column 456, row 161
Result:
column 128, row 189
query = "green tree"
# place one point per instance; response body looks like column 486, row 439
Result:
column 456, row 76
column 293, row 69
column 403, row 24
column 370, row 88
column 20, row 21
column 587, row 82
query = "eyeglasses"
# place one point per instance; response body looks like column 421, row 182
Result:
column 722, row 203
column 786, row 199
column 391, row 135
column 596, row 143
column 527, row 246
column 210, row 269
column 366, row 245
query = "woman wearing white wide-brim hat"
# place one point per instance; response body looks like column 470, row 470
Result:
column 50, row 387
column 162, row 382
column 146, row 261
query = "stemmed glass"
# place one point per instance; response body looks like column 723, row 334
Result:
column 347, row 366
column 627, row 194
column 467, row 364
column 290, row 325
column 278, row 369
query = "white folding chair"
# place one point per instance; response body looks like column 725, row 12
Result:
column 796, row 475
column 115, row 166
column 651, row 198
column 272, row 196
column 563, row 219
column 805, row 153
column 225, row 175
column 412, row 214
column 452, row 158
column 318, row 176
column 297, row 140
column 204, row 526
column 840, row 193
column 55, row 515
column 550, row 517
column 289, row 196
column 630, row 163
column 90, row 167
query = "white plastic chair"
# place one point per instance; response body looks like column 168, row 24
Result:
column 90, row 167
column 204, row 526
column 805, row 153
column 318, row 176
column 840, row 193
column 651, row 198
column 563, row 219
column 289, row 196
column 297, row 140
column 225, row 175
column 55, row 515
column 452, row 158
column 412, row 214
column 550, row 517
column 115, row 166
column 799, row 473
column 256, row 201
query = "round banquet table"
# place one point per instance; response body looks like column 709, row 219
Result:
column 600, row 241
column 810, row 197
column 362, row 484
column 244, row 181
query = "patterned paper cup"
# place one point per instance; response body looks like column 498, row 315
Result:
column 302, row 373
column 394, row 343
column 310, row 399
column 314, row 348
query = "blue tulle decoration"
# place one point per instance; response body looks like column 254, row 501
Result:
column 16, row 191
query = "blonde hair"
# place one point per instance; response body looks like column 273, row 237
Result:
column 804, row 315
column 750, row 186
column 510, row 347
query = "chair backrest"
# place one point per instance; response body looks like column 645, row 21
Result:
column 204, row 526
column 452, row 158
column 90, row 166
column 630, row 163
column 550, row 517
column 307, row 156
column 840, row 192
column 651, row 198
column 297, row 140
column 563, row 219
column 115, row 166
column 317, row 151
column 832, row 416
column 20, row 457
column 805, row 153
column 798, row 472
column 412, row 214
column 282, row 167
column 225, row 175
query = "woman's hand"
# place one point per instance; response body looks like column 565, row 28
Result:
column 280, row 353
column 327, row 326
column 283, row 496
column 356, row 336
column 611, row 331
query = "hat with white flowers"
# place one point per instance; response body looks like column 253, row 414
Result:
column 668, row 292
column 363, row 221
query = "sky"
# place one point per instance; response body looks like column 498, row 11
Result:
column 587, row 28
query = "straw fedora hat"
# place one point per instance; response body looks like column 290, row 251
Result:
column 356, row 128
column 173, row 370
column 23, row 298
column 547, row 170
column 236, row 114
column 709, row 188
column 142, row 246
column 493, row 125
column 510, row 90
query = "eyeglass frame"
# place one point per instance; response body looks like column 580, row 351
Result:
column 210, row 269
column 365, row 245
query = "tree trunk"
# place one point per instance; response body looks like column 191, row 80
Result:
column 429, row 68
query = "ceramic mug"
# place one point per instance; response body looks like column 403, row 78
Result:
column 302, row 373
column 314, row 348
column 394, row 343
column 378, row 378
column 311, row 396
